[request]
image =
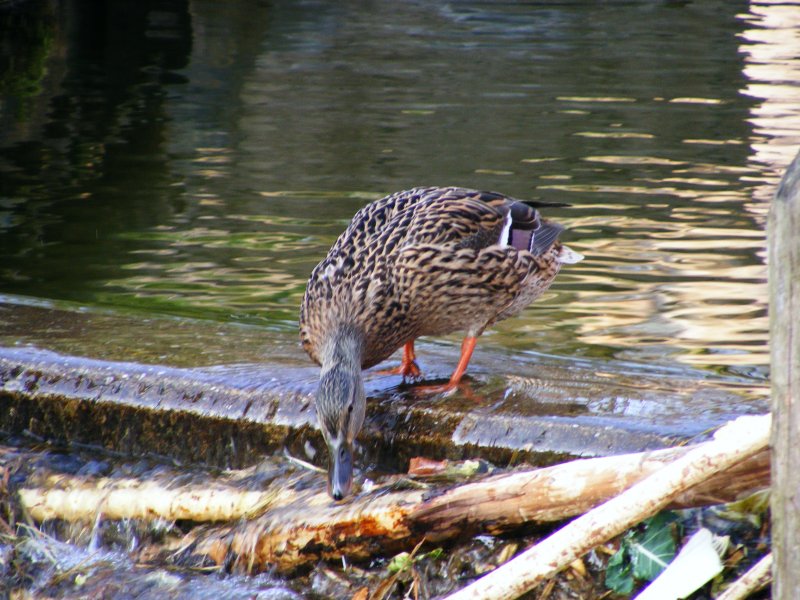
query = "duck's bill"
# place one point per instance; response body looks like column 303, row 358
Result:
column 340, row 471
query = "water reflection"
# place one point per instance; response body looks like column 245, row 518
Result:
column 770, row 45
column 203, row 158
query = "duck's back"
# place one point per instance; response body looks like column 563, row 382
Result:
column 428, row 261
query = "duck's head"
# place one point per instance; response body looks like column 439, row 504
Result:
column 340, row 407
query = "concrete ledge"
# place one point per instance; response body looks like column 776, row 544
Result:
column 234, row 415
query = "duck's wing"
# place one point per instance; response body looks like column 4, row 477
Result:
column 455, row 216
column 464, row 218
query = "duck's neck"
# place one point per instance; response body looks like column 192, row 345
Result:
column 344, row 347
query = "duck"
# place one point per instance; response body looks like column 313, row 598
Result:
column 426, row 261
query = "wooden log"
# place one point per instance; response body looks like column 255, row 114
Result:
column 303, row 525
column 744, row 437
column 492, row 505
column 784, row 311
column 756, row 577
column 81, row 500
column 503, row 502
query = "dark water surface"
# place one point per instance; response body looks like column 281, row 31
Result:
column 198, row 158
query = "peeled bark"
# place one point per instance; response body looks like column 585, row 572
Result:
column 81, row 500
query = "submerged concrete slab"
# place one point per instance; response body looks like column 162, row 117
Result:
column 82, row 376
column 232, row 416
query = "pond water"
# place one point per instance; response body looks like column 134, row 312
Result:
column 198, row 158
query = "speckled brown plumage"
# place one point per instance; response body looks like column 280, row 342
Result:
column 426, row 261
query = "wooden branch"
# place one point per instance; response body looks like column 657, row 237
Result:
column 555, row 493
column 784, row 326
column 756, row 577
column 735, row 442
column 73, row 499
column 300, row 526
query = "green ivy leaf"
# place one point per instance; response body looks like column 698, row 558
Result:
column 652, row 550
column 619, row 573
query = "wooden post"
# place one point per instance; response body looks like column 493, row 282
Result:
column 784, row 324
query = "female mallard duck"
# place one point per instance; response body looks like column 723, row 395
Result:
column 426, row 261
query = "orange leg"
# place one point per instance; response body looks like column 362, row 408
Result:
column 467, row 347
column 408, row 366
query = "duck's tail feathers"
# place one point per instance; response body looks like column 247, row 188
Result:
column 568, row 256
column 545, row 204
column 544, row 237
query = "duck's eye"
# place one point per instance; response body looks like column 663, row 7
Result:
column 350, row 408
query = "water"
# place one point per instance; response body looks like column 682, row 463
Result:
column 197, row 159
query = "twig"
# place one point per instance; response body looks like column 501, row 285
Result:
column 756, row 577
